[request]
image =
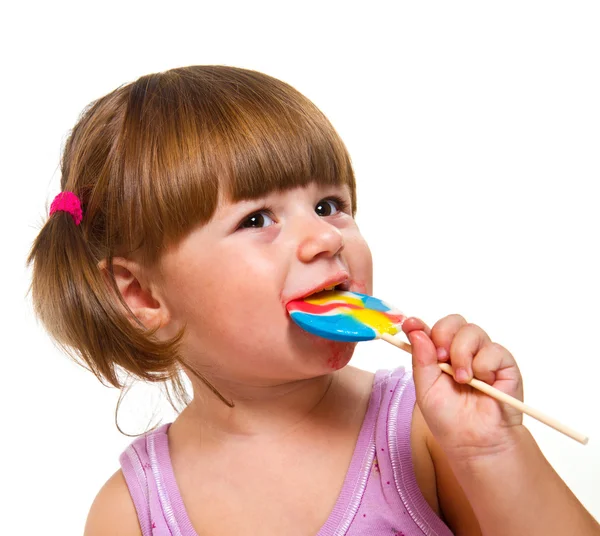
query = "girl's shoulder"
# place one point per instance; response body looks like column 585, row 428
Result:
column 113, row 511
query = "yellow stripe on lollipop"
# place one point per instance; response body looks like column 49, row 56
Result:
column 334, row 297
column 374, row 319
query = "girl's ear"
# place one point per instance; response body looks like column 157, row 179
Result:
column 137, row 292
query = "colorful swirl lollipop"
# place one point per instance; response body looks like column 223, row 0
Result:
column 353, row 317
column 345, row 316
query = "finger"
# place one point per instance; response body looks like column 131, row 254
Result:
column 487, row 362
column 467, row 342
column 494, row 364
column 414, row 323
column 424, row 357
column 443, row 333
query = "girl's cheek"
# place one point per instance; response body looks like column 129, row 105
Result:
column 360, row 287
column 363, row 274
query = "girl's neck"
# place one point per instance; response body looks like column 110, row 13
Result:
column 268, row 412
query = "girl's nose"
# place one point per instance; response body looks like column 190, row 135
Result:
column 319, row 238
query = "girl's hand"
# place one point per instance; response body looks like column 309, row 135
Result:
column 466, row 422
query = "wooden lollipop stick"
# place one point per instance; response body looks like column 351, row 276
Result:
column 499, row 395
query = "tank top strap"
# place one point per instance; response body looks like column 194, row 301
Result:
column 148, row 475
column 394, row 445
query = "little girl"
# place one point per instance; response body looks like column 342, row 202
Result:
column 196, row 203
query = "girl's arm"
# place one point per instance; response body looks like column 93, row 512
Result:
column 454, row 507
column 481, row 443
column 517, row 492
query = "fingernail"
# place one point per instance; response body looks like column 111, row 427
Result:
column 442, row 354
column 461, row 375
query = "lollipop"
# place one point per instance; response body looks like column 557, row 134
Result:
column 353, row 317
column 345, row 316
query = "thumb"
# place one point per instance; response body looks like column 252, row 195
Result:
column 426, row 370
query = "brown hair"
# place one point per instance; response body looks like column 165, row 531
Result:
column 149, row 161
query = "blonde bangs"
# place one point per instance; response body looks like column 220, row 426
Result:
column 190, row 134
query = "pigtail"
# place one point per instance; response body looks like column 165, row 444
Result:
column 84, row 315
column 87, row 317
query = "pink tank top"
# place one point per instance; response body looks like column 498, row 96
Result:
column 379, row 496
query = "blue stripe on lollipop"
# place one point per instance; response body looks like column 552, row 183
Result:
column 335, row 327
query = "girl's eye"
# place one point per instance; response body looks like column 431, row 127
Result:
column 330, row 206
column 257, row 220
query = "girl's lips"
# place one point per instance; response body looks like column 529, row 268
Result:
column 340, row 280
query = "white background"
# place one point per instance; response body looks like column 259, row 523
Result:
column 474, row 128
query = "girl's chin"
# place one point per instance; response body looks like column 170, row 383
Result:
column 337, row 354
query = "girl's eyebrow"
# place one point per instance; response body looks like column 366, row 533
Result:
column 229, row 212
column 229, row 207
column 245, row 204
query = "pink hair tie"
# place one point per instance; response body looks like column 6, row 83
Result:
column 67, row 202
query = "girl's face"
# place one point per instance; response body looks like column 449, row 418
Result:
column 229, row 282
